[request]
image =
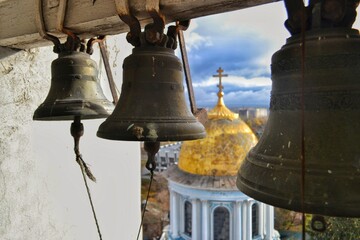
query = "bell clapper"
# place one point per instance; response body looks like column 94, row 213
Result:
column 151, row 149
column 77, row 131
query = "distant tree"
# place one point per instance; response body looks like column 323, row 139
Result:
column 337, row 228
column 286, row 220
column 157, row 209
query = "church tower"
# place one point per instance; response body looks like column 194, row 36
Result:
column 205, row 203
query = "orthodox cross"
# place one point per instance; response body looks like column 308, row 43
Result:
column 220, row 75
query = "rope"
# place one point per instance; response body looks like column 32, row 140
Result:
column 81, row 163
column 146, row 201
column 151, row 149
column 77, row 130
column 303, row 26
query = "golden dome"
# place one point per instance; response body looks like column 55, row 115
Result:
column 227, row 142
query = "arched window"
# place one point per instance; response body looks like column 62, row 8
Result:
column 188, row 218
column 255, row 220
column 221, row 224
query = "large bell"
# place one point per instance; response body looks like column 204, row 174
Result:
column 75, row 90
column 152, row 104
column 272, row 170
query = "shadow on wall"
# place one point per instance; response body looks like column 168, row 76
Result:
column 5, row 52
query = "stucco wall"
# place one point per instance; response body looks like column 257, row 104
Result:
column 42, row 194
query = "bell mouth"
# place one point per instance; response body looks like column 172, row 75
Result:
column 68, row 109
column 278, row 183
column 160, row 130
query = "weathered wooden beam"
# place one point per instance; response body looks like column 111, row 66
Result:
column 18, row 29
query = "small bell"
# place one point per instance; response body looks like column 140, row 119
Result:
column 152, row 104
column 75, row 90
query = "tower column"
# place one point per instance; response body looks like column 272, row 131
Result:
column 205, row 229
column 195, row 228
column 238, row 229
column 174, row 214
column 261, row 219
column 244, row 219
column 269, row 222
column 249, row 219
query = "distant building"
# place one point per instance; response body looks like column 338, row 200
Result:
column 204, row 200
column 167, row 156
column 248, row 113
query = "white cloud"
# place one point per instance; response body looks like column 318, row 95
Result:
column 195, row 40
column 249, row 98
column 236, row 81
column 266, row 20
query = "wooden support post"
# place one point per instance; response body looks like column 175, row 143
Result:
column 18, row 29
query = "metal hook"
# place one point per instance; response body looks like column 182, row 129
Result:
column 176, row 31
column 92, row 41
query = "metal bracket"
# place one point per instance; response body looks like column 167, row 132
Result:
column 73, row 42
column 123, row 10
column 39, row 20
column 154, row 31
column 92, row 41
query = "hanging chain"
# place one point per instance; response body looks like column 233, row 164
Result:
column 77, row 130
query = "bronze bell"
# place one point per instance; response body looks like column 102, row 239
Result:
column 152, row 104
column 272, row 170
column 75, row 90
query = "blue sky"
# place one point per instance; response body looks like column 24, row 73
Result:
column 241, row 42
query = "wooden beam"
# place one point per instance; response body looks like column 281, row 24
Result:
column 18, row 29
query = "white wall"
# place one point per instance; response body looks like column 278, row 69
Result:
column 42, row 194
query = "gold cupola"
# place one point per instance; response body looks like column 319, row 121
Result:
column 227, row 142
